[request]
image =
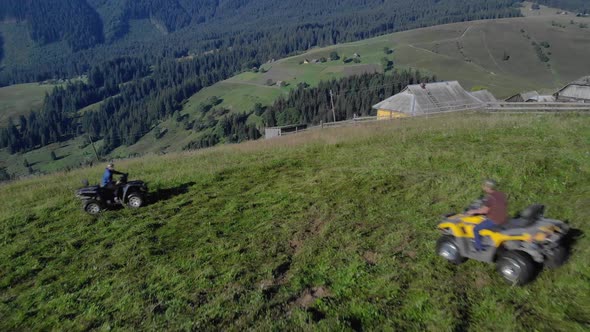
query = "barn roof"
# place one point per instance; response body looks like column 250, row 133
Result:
column 578, row 89
column 485, row 96
column 543, row 98
column 581, row 81
column 530, row 95
column 430, row 98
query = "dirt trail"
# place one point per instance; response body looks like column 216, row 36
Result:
column 448, row 39
column 485, row 43
column 456, row 39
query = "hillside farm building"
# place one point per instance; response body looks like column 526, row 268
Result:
column 421, row 99
column 543, row 99
column 577, row 91
column 484, row 96
column 524, row 97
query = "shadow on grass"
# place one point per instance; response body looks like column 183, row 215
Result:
column 168, row 193
column 570, row 240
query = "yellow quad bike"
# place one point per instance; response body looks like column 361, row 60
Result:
column 519, row 248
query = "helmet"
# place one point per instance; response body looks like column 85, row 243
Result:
column 492, row 184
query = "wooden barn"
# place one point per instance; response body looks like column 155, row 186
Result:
column 484, row 96
column 524, row 97
column 427, row 98
column 576, row 91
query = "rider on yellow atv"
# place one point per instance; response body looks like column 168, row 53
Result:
column 518, row 246
column 495, row 208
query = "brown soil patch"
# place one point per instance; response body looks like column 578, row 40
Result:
column 309, row 295
column 482, row 280
column 281, row 273
column 412, row 254
column 295, row 245
column 313, row 228
column 371, row 257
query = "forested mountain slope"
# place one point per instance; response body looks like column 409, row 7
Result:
column 110, row 28
column 73, row 21
column 130, row 107
column 193, row 46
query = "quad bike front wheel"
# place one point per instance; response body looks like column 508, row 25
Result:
column 447, row 248
column 135, row 201
column 92, row 207
column 516, row 267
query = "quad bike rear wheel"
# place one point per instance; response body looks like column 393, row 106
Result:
column 135, row 200
column 516, row 267
column 447, row 248
column 92, row 207
column 557, row 257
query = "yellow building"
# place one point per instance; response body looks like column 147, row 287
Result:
column 383, row 114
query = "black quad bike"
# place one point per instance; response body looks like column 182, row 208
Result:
column 127, row 193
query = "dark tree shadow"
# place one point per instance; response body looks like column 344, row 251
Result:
column 168, row 193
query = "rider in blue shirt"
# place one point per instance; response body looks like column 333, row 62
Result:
column 108, row 183
column 107, row 176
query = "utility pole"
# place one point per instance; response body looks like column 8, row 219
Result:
column 332, row 100
column 93, row 147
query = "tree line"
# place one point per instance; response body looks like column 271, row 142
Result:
column 58, row 119
column 73, row 21
column 579, row 6
column 353, row 95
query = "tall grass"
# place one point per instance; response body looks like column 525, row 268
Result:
column 331, row 229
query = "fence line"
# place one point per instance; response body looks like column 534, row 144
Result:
column 549, row 106
column 500, row 107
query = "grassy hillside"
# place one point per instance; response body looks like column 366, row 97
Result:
column 331, row 229
column 471, row 52
column 21, row 99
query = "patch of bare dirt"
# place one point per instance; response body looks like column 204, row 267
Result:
column 281, row 273
column 309, row 295
column 370, row 257
column 482, row 280
column 295, row 245
column 411, row 253
column 313, row 228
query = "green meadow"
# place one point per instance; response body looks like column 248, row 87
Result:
column 330, row 229
column 20, row 99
